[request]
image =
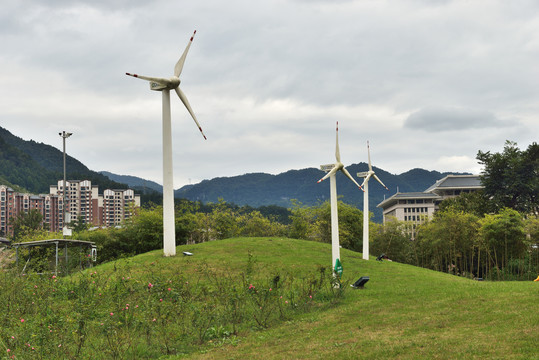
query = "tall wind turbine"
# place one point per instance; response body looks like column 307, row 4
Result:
column 332, row 170
column 367, row 175
column 165, row 85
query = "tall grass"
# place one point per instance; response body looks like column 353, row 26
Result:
column 146, row 309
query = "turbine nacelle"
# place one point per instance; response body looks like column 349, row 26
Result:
column 173, row 83
column 338, row 166
column 368, row 174
column 170, row 84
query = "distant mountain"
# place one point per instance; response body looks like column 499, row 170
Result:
column 261, row 189
column 33, row 167
column 136, row 183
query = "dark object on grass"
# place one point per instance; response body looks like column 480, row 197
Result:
column 360, row 283
column 381, row 257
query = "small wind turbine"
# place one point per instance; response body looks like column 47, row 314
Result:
column 165, row 85
column 367, row 175
column 332, row 169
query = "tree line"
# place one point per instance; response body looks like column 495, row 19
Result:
column 490, row 234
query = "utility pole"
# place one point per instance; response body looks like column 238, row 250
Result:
column 66, row 214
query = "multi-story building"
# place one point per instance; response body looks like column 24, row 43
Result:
column 7, row 206
column 118, row 205
column 52, row 212
column 418, row 206
column 13, row 203
column 83, row 202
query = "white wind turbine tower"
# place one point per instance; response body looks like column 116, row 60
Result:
column 332, row 170
column 367, row 175
column 165, row 85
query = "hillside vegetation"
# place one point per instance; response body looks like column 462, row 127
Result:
column 35, row 166
column 224, row 302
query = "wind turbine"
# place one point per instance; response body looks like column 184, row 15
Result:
column 165, row 85
column 367, row 175
column 332, row 170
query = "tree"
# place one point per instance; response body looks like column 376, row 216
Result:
column 391, row 239
column 350, row 225
column 511, row 178
column 474, row 203
column 503, row 237
column 302, row 218
column 447, row 242
column 26, row 222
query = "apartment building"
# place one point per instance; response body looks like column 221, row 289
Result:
column 118, row 205
column 83, row 201
column 7, row 208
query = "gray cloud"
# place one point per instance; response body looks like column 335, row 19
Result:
column 436, row 119
column 268, row 81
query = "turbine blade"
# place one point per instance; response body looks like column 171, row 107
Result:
column 337, row 152
column 333, row 171
column 351, row 178
column 179, row 65
column 161, row 81
column 369, row 153
column 183, row 98
column 380, row 181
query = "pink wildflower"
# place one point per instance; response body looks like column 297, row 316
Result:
column 169, row 289
column 22, row 320
column 111, row 314
column 160, row 300
column 150, row 285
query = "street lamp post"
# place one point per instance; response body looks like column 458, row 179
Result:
column 66, row 231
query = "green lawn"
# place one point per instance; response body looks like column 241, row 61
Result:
column 146, row 307
column 404, row 312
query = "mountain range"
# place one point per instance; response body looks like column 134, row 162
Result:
column 261, row 189
column 32, row 167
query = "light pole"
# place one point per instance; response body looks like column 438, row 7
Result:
column 67, row 219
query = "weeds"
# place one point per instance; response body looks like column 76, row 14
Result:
column 117, row 315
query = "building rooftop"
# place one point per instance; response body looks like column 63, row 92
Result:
column 457, row 182
column 405, row 196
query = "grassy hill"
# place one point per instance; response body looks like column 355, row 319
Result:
column 404, row 312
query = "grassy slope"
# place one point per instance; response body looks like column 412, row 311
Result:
column 404, row 312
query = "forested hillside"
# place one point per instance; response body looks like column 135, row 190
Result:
column 265, row 189
column 35, row 166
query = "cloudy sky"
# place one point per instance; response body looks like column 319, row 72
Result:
column 428, row 83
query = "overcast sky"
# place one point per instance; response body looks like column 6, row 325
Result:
column 428, row 83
